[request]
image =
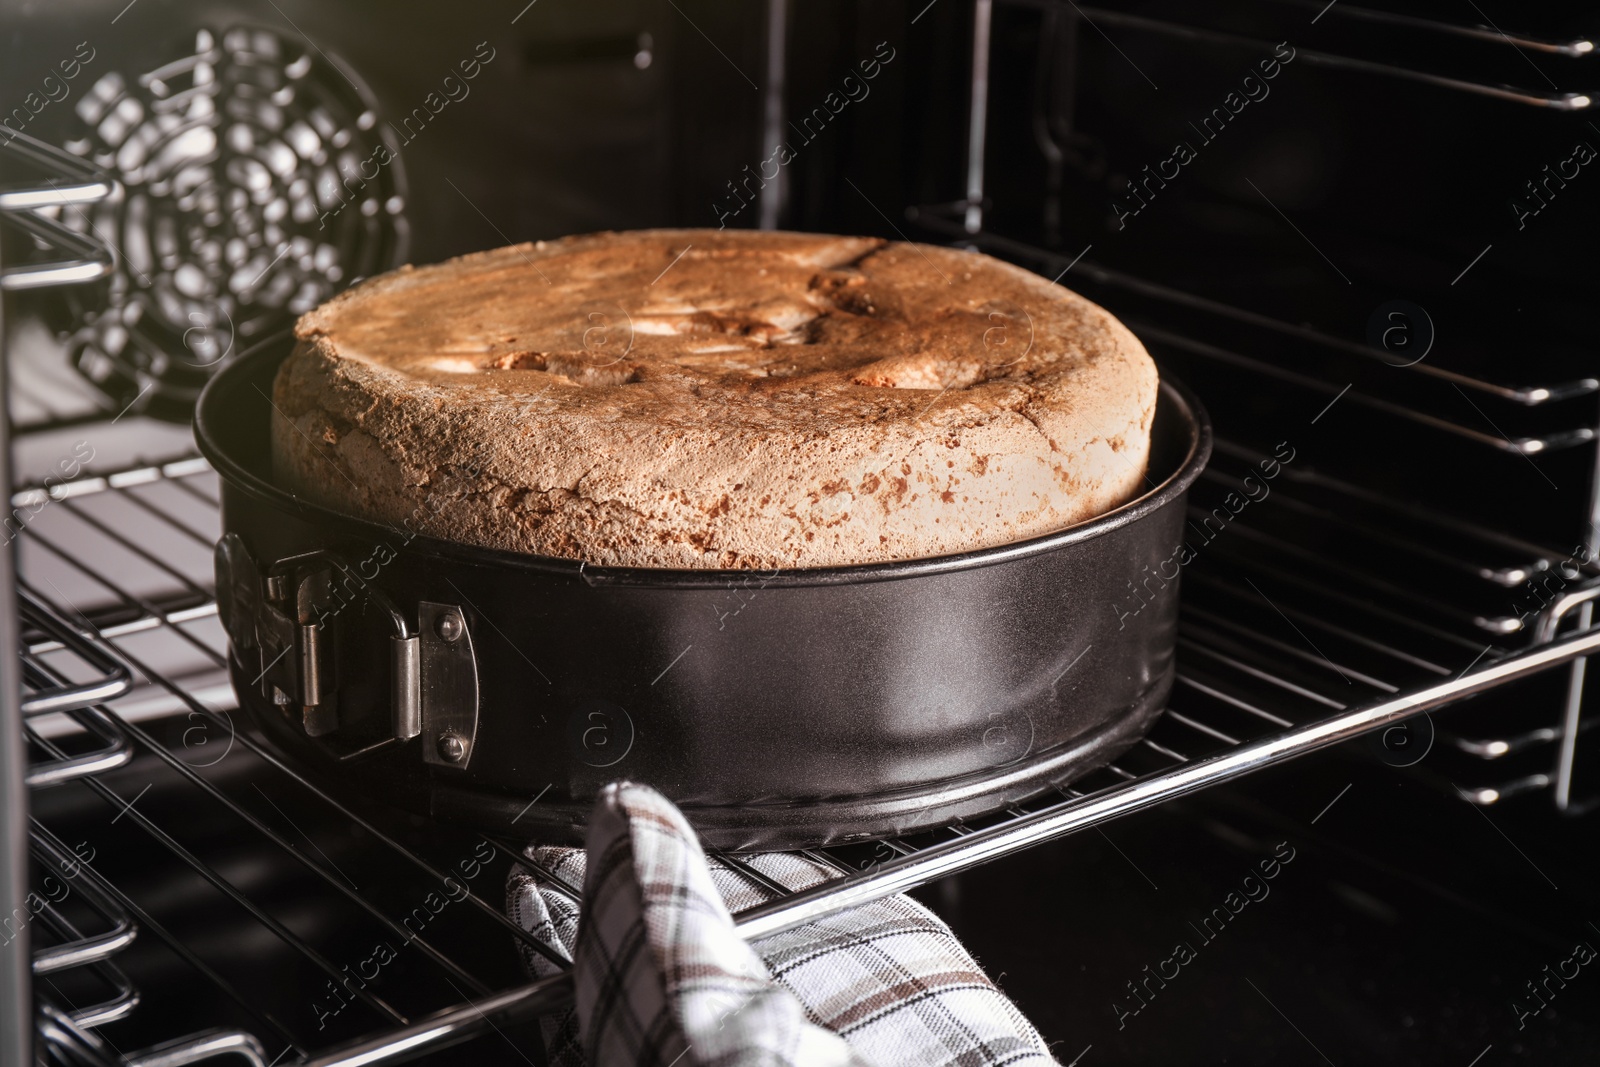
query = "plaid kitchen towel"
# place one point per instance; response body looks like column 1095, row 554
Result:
column 664, row 979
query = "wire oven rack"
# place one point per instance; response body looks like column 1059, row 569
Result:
column 1247, row 697
column 1294, row 354
column 1202, row 25
column 35, row 178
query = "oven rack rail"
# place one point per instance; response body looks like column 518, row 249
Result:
column 1362, row 364
column 912, row 867
column 964, row 220
column 1305, row 363
column 41, row 185
column 52, row 647
column 1569, row 46
column 1572, row 49
column 1243, row 702
column 51, row 179
column 37, row 179
column 1532, row 566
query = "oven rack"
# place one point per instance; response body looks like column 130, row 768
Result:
column 51, row 179
column 1314, row 360
column 44, row 634
column 1307, row 361
column 35, row 179
column 1247, row 697
column 39, row 184
column 1503, row 567
column 1495, row 755
column 1522, row 566
column 66, row 674
column 900, row 865
column 1315, row 357
column 1569, row 46
column 1191, row 29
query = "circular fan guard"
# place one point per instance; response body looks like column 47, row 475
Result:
column 256, row 183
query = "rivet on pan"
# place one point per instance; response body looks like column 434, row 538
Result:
column 451, row 746
column 450, row 626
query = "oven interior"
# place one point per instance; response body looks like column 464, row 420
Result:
column 1356, row 231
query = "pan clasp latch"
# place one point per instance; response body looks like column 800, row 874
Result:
column 281, row 621
column 449, row 685
column 276, row 624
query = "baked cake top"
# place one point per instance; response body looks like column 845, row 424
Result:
column 703, row 398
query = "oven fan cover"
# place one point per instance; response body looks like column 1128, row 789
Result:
column 256, row 182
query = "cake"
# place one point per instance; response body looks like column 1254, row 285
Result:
column 716, row 399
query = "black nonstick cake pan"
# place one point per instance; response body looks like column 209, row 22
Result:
column 778, row 709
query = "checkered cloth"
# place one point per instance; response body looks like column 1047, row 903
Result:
column 664, row 979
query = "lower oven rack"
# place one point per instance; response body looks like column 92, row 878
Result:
column 911, row 867
column 1249, row 695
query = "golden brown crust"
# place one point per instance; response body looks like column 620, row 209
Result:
column 703, row 399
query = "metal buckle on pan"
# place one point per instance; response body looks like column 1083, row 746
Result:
column 287, row 614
